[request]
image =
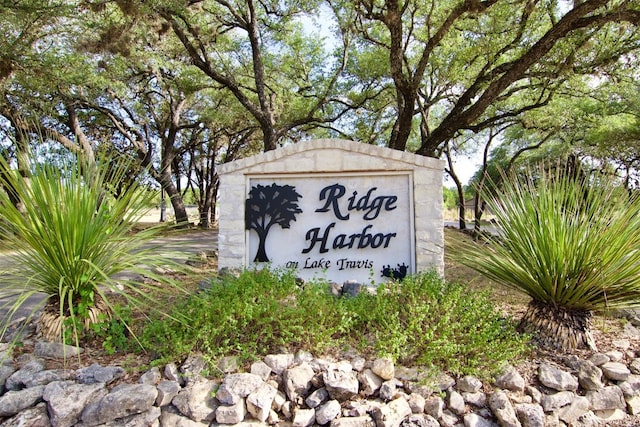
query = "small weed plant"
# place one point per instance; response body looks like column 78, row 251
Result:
column 421, row 321
column 112, row 332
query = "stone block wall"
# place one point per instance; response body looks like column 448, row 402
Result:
column 334, row 156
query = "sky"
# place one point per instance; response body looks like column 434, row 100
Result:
column 465, row 166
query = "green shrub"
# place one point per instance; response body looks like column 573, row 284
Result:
column 426, row 321
column 256, row 313
column 422, row 321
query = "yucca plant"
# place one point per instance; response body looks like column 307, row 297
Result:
column 571, row 244
column 69, row 236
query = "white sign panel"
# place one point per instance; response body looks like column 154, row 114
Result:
column 337, row 227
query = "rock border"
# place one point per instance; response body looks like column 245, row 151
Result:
column 302, row 390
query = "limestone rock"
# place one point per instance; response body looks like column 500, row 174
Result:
column 475, row 420
column 530, row 414
column 384, row 368
column 599, row 359
column 615, row 355
column 630, row 387
column 260, row 401
column 328, row 392
column 122, row 401
column 556, row 378
column 610, row 397
column 633, row 405
column 416, row 403
column 279, row 362
column 536, row 395
column 455, row 403
column 316, row 398
column 510, row 379
column 150, row 418
column 172, row 373
column 341, row 385
column 261, row 369
column 578, row 407
column 167, row 390
column 53, row 350
column 18, row 379
column 362, row 421
column 68, row 399
column 327, row 412
column 611, row 415
column 388, row 390
column 49, row 376
column 192, row 368
column 553, row 402
column 231, row 414
column 469, row 384
column 434, row 406
column 279, row 400
column 445, row 381
column 228, row 364
column 302, row 356
column 448, row 419
column 152, row 376
column 13, row 402
column 370, row 382
column 36, row 416
column 419, row 420
column 297, row 381
column 359, row 363
column 503, row 410
column 615, row 371
column 5, row 372
column 477, row 399
column 590, row 376
column 304, row 418
column 98, row 374
column 196, row 400
column 237, row 386
column 392, row 413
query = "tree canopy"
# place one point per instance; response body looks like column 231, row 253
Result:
column 171, row 83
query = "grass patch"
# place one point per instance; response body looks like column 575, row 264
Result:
column 423, row 321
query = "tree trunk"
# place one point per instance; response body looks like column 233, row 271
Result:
column 261, row 254
column 558, row 328
column 478, row 211
column 179, row 209
column 462, row 223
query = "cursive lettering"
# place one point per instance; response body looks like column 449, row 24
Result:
column 371, row 206
column 364, row 239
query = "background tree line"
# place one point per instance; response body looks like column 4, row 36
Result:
column 183, row 86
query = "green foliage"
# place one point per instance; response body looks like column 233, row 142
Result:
column 257, row 313
column 566, row 241
column 70, row 236
column 450, row 198
column 113, row 331
column 426, row 321
column 421, row 321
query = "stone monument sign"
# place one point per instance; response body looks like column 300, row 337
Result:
column 333, row 209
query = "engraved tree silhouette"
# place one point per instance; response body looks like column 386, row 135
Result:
column 266, row 206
